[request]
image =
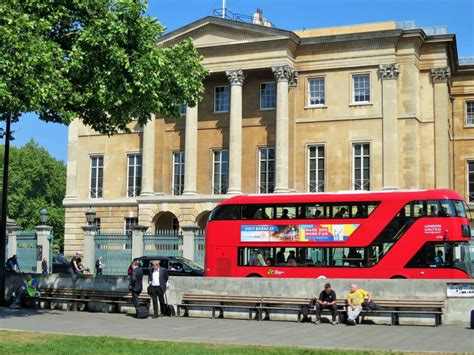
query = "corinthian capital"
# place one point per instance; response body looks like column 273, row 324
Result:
column 389, row 71
column 236, row 77
column 441, row 75
column 283, row 73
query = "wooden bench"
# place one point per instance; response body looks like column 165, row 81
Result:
column 77, row 296
column 263, row 306
column 219, row 303
column 396, row 308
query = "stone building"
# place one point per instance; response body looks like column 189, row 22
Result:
column 363, row 107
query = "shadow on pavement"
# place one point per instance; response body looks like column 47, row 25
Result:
column 6, row 312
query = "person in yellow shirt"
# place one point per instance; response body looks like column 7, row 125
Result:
column 355, row 298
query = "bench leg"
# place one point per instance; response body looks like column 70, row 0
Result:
column 299, row 317
column 437, row 320
column 213, row 314
column 392, row 321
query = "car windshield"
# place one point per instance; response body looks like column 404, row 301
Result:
column 191, row 263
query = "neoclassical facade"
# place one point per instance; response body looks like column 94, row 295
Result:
column 363, row 107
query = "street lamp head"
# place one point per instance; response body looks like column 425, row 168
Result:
column 43, row 215
column 90, row 216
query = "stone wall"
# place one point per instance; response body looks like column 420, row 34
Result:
column 457, row 310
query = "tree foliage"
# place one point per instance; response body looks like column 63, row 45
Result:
column 93, row 60
column 36, row 180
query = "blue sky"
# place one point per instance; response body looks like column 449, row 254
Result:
column 458, row 15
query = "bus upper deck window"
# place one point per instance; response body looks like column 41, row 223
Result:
column 225, row 212
column 460, row 210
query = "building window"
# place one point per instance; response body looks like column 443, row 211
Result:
column 129, row 223
column 178, row 173
column 182, row 109
column 134, row 186
column 470, row 181
column 221, row 99
column 267, row 96
column 267, row 170
column 220, row 172
column 470, row 113
column 361, row 88
column 361, row 154
column 97, row 176
column 316, row 92
column 316, row 168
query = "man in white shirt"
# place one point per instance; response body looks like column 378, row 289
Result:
column 157, row 279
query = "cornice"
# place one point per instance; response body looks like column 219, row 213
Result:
column 353, row 38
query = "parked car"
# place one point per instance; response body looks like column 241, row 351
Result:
column 60, row 264
column 176, row 265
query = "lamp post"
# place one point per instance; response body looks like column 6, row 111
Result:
column 3, row 216
column 43, row 216
column 90, row 216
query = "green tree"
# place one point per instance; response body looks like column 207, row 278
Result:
column 36, row 180
column 93, row 60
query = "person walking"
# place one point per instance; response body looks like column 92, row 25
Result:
column 136, row 284
column 99, row 266
column 44, row 266
column 354, row 299
column 157, row 279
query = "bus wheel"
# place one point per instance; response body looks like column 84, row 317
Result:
column 254, row 275
column 398, row 277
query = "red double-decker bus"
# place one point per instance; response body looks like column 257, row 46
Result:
column 393, row 234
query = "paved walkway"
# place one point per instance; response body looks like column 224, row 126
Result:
column 231, row 331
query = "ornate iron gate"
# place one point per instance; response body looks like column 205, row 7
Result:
column 163, row 243
column 26, row 252
column 199, row 247
column 116, row 251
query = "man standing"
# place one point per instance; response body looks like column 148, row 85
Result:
column 326, row 300
column 99, row 265
column 355, row 298
column 44, row 266
column 157, row 279
column 136, row 284
column 74, row 265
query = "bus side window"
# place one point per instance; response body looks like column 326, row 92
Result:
column 285, row 212
column 447, row 209
column 432, row 208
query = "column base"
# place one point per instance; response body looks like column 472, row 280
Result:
column 189, row 193
column 390, row 188
column 281, row 190
column 234, row 192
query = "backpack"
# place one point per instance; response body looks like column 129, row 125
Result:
column 370, row 306
column 143, row 311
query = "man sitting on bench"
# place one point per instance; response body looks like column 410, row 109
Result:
column 28, row 289
column 326, row 300
column 354, row 299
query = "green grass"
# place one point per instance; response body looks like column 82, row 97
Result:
column 13, row 342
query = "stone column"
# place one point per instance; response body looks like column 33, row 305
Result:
column 389, row 75
column 12, row 232
column 89, row 246
column 236, row 79
column 283, row 75
column 71, row 173
column 148, row 158
column 190, row 151
column 137, row 240
column 43, row 240
column 440, row 77
column 188, row 241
